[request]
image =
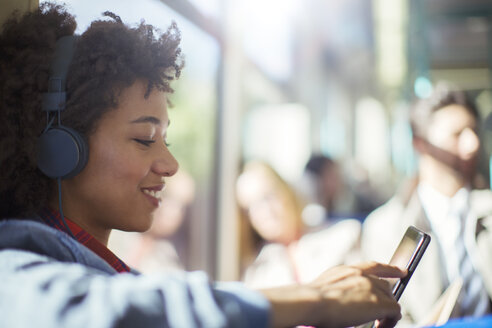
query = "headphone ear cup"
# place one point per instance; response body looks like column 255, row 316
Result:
column 83, row 153
column 62, row 152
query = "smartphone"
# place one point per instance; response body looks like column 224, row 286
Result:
column 408, row 255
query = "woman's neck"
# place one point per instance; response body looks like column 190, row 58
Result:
column 101, row 235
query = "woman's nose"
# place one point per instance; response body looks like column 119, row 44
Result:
column 165, row 164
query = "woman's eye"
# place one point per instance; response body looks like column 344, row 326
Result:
column 144, row 142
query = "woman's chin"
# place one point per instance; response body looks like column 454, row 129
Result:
column 140, row 226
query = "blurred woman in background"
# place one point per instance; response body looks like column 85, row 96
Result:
column 278, row 247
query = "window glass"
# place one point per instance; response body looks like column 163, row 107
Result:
column 210, row 8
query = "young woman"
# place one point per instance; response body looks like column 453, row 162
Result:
column 59, row 203
column 283, row 249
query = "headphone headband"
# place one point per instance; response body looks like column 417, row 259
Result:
column 54, row 100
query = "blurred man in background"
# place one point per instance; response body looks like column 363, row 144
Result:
column 454, row 278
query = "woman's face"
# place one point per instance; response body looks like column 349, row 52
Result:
column 120, row 188
column 270, row 212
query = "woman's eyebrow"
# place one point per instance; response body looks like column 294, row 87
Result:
column 147, row 119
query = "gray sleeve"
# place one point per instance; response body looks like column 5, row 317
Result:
column 38, row 292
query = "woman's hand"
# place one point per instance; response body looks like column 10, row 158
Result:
column 342, row 296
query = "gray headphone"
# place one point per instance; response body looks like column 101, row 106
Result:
column 61, row 151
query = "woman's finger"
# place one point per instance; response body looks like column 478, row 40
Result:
column 381, row 284
column 382, row 270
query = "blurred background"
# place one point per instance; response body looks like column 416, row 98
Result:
column 279, row 80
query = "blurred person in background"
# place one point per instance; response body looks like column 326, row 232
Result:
column 322, row 186
column 454, row 278
column 282, row 248
column 331, row 196
column 55, row 220
column 161, row 248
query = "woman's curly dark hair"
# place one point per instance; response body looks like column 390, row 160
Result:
column 109, row 57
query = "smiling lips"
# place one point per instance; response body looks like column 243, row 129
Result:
column 154, row 194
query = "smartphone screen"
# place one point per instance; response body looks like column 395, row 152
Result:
column 407, row 256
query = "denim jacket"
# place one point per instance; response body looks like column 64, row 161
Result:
column 47, row 279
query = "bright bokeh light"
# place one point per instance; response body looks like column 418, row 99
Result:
column 279, row 134
column 267, row 31
column 422, row 87
column 390, row 31
column 372, row 137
